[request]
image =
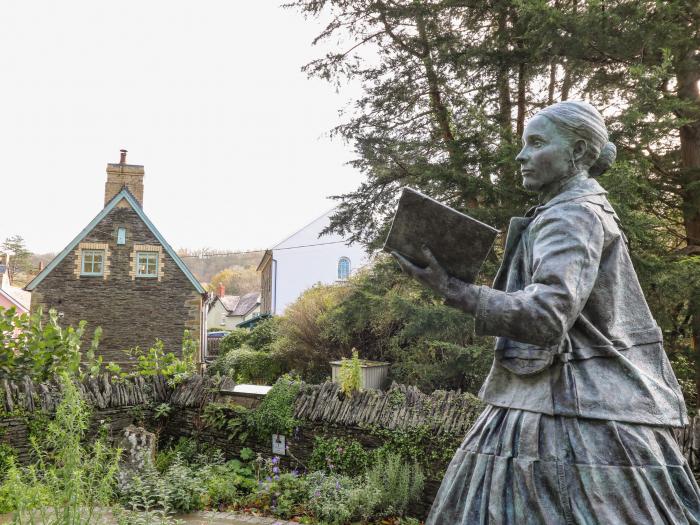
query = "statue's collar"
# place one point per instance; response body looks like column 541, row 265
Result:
column 579, row 186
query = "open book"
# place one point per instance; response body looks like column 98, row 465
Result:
column 459, row 242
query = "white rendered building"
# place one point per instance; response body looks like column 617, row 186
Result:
column 304, row 259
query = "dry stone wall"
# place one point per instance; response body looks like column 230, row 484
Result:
column 322, row 410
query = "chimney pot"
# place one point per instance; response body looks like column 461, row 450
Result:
column 122, row 156
column 222, row 289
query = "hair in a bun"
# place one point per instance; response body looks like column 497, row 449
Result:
column 604, row 161
column 580, row 120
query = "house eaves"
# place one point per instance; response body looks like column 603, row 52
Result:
column 123, row 194
column 14, row 301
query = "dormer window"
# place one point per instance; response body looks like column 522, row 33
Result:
column 93, row 262
column 147, row 264
column 343, row 269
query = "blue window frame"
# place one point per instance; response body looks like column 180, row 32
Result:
column 92, row 262
column 147, row 264
column 343, row 268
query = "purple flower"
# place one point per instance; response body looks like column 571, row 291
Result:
column 275, row 460
column 317, row 493
column 337, row 485
column 295, row 473
column 275, row 470
column 268, row 478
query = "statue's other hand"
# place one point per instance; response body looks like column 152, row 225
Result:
column 458, row 294
column 433, row 276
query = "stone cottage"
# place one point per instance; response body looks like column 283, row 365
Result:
column 121, row 274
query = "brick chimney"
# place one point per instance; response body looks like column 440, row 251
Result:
column 222, row 290
column 123, row 174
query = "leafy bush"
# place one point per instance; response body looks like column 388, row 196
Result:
column 39, row 348
column 283, row 495
column 397, row 483
column 342, row 456
column 233, row 340
column 275, row 414
column 7, row 459
column 304, row 343
column 264, row 334
column 190, row 451
column 184, row 487
column 228, row 417
column 69, row 480
column 156, row 361
column 227, row 482
column 246, row 365
column 388, row 317
column 337, row 499
column 350, row 374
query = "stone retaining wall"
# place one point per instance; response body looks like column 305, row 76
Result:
column 322, row 409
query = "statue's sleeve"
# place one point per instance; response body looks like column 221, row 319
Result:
column 566, row 243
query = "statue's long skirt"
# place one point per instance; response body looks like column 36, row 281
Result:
column 517, row 467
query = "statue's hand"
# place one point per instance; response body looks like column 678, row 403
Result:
column 433, row 276
column 457, row 293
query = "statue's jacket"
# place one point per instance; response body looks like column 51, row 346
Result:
column 575, row 334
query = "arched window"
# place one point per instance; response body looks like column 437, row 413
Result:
column 343, row 268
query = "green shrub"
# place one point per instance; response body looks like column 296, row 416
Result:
column 284, row 495
column 246, row 365
column 263, row 334
column 342, row 456
column 156, row 361
column 39, row 348
column 228, row 482
column 336, row 500
column 389, row 317
column 233, row 340
column 7, row 459
column 184, row 486
column 275, row 414
column 397, row 483
column 350, row 374
column 304, row 344
column 69, row 480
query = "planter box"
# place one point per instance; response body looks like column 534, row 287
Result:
column 373, row 374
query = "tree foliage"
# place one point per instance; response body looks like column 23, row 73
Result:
column 448, row 86
column 237, row 280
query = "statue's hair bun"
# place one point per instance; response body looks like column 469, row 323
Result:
column 604, row 160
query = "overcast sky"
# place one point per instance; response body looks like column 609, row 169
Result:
column 207, row 95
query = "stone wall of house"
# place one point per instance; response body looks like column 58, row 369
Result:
column 132, row 311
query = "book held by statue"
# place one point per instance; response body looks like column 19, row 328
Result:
column 459, row 242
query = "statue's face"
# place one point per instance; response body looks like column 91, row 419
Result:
column 546, row 156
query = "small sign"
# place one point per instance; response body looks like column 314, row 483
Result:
column 278, row 445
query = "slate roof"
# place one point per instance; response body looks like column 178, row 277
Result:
column 239, row 305
column 246, row 303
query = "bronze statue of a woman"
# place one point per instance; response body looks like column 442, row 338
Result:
column 581, row 396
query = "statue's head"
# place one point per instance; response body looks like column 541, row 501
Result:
column 562, row 140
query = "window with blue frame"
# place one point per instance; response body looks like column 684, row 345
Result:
column 147, row 264
column 92, row 262
column 343, row 268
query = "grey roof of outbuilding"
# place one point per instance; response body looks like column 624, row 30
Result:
column 238, row 305
column 246, row 303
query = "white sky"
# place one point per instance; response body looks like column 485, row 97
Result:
column 208, row 95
